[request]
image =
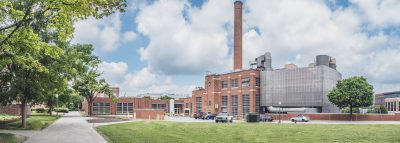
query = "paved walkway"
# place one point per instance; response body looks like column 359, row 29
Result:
column 71, row 128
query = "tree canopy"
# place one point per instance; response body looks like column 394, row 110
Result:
column 352, row 92
column 36, row 59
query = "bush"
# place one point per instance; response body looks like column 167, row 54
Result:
column 347, row 110
column 41, row 110
column 63, row 110
column 380, row 110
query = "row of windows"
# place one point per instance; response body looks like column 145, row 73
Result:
column 101, row 108
column 159, row 106
column 105, row 108
column 124, row 108
column 391, row 106
column 234, row 103
column 235, row 82
column 198, row 104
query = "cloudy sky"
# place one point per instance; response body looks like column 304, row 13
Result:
column 167, row 46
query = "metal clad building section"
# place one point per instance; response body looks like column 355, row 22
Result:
column 299, row 87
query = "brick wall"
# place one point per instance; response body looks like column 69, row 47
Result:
column 14, row 109
column 149, row 114
column 344, row 117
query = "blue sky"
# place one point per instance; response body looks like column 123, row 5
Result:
column 168, row 46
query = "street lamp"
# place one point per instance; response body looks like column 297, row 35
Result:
column 57, row 104
column 279, row 111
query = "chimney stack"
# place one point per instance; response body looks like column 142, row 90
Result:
column 237, row 37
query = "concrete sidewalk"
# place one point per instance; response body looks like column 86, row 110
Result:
column 71, row 128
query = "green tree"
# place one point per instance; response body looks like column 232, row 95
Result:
column 166, row 97
column 33, row 37
column 353, row 92
column 147, row 97
column 88, row 82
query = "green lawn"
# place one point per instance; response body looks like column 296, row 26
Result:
column 153, row 132
column 36, row 122
column 11, row 138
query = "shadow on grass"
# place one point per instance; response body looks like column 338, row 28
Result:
column 11, row 138
column 33, row 122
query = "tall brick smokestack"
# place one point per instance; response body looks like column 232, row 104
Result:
column 237, row 37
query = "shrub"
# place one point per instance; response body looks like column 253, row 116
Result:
column 347, row 110
column 63, row 110
column 41, row 110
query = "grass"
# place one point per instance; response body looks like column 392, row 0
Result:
column 153, row 132
column 11, row 138
column 5, row 117
column 34, row 122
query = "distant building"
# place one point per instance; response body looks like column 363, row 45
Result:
column 390, row 100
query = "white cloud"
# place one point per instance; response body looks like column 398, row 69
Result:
column 380, row 13
column 144, row 81
column 113, row 72
column 184, row 39
column 297, row 31
column 192, row 40
column 104, row 34
column 129, row 36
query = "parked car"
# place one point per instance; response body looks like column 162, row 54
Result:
column 300, row 118
column 266, row 118
column 224, row 118
column 209, row 116
column 198, row 115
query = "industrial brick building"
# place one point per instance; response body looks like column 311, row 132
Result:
column 237, row 93
column 261, row 89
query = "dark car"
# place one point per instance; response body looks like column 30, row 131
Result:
column 209, row 116
column 198, row 115
column 266, row 118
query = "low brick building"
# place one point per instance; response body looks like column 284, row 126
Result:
column 143, row 107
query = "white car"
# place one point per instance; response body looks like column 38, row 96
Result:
column 300, row 118
column 223, row 117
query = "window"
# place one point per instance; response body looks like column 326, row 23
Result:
column 234, row 105
column 246, row 104
column 124, row 108
column 224, row 84
column 101, row 108
column 224, row 104
column 159, row 106
column 234, row 83
column 258, row 103
column 245, row 82
column 209, row 103
column 198, row 104
column 257, row 81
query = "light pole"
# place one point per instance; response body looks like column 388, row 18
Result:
column 279, row 111
column 57, row 104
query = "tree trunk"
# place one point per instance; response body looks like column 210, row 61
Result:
column 90, row 108
column 23, row 113
column 351, row 112
column 50, row 111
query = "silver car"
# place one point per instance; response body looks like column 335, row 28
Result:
column 300, row 118
column 223, row 117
